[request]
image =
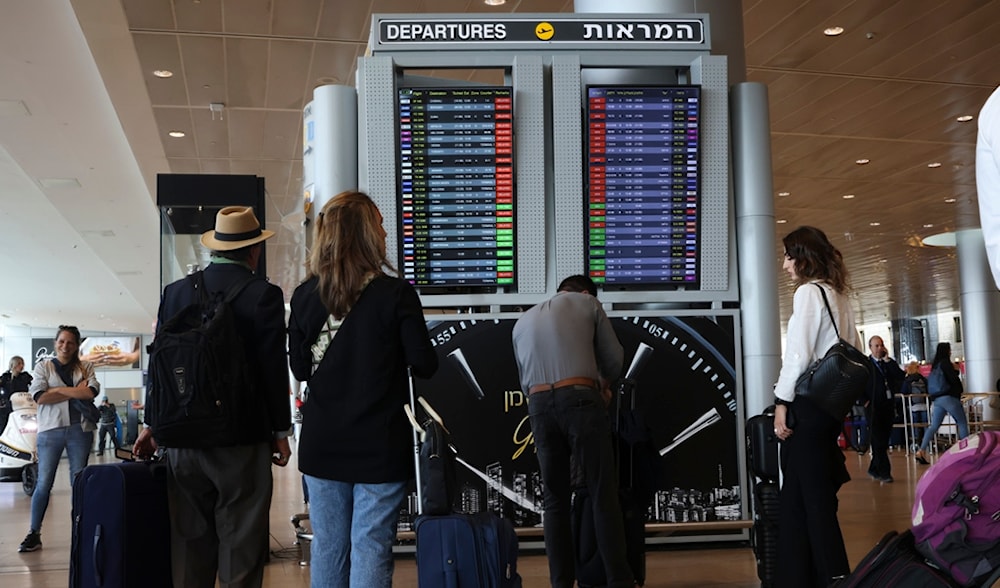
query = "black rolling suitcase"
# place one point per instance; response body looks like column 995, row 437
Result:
column 763, row 453
column 121, row 527
column 454, row 549
column 632, row 444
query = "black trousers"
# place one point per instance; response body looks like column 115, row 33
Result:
column 110, row 430
column 880, row 415
column 811, row 548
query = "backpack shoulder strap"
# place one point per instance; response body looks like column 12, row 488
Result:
column 828, row 311
column 198, row 282
column 238, row 287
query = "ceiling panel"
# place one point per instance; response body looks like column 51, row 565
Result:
column 204, row 69
column 246, row 17
column 211, row 133
column 246, row 72
column 287, row 73
column 282, row 133
column 150, row 14
column 246, row 133
column 162, row 50
column 203, row 16
column 296, row 18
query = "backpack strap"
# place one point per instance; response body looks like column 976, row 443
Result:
column 198, row 281
column 828, row 311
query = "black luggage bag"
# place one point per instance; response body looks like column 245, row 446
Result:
column 763, row 453
column 453, row 549
column 636, row 468
column 121, row 527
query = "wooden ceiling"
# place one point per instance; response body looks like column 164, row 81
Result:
column 889, row 89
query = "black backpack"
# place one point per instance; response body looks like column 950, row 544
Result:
column 200, row 389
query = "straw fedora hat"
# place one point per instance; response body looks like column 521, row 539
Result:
column 235, row 227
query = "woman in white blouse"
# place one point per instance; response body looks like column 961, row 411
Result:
column 810, row 546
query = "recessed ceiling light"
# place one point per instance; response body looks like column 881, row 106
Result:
column 495, row 2
column 784, row 193
column 874, row 224
column 862, row 161
column 176, row 134
column 59, row 182
column 781, row 221
column 163, row 73
column 949, row 200
column 965, row 118
column 848, row 196
column 934, row 164
column 833, row 31
column 928, row 225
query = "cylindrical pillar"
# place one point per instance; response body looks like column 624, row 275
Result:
column 335, row 164
column 980, row 302
column 755, row 239
column 725, row 22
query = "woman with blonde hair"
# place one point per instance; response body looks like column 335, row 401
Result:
column 811, row 548
column 352, row 332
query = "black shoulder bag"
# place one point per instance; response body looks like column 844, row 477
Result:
column 835, row 381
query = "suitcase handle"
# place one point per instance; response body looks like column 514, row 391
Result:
column 98, row 574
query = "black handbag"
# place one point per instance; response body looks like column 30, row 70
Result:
column 838, row 379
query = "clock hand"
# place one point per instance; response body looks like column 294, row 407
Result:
column 709, row 418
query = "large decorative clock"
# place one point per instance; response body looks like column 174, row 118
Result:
column 684, row 382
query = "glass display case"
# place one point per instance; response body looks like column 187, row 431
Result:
column 188, row 204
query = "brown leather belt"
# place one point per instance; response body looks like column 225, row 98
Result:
column 589, row 382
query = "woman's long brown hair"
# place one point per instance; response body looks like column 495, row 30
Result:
column 816, row 258
column 348, row 249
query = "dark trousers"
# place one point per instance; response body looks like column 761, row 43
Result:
column 220, row 500
column 880, row 415
column 109, row 429
column 572, row 422
column 810, row 544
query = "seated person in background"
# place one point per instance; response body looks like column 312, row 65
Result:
column 915, row 383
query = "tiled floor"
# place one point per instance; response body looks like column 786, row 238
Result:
column 868, row 510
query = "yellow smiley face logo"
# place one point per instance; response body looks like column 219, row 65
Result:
column 544, row 31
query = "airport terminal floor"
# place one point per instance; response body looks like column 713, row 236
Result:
column 867, row 510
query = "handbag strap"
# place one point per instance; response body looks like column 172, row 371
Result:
column 323, row 340
column 828, row 311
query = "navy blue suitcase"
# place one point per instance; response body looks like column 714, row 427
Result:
column 121, row 527
column 466, row 551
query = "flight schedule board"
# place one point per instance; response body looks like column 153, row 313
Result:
column 456, row 187
column 643, row 186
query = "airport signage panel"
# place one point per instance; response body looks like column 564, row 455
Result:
column 541, row 31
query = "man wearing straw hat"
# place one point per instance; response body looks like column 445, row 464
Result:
column 220, row 497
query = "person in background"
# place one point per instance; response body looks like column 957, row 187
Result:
column 108, row 425
column 567, row 355
column 15, row 379
column 915, row 383
column 811, row 548
column 946, row 395
column 882, row 407
column 352, row 332
column 988, row 179
column 220, row 497
column 58, row 385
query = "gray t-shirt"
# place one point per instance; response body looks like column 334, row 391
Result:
column 567, row 336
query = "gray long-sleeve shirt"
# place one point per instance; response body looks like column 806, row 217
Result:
column 567, row 336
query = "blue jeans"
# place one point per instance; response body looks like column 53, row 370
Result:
column 942, row 405
column 51, row 444
column 573, row 422
column 354, row 527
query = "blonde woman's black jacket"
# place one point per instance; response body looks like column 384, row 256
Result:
column 353, row 425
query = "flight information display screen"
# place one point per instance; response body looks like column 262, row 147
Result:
column 642, row 185
column 456, row 186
